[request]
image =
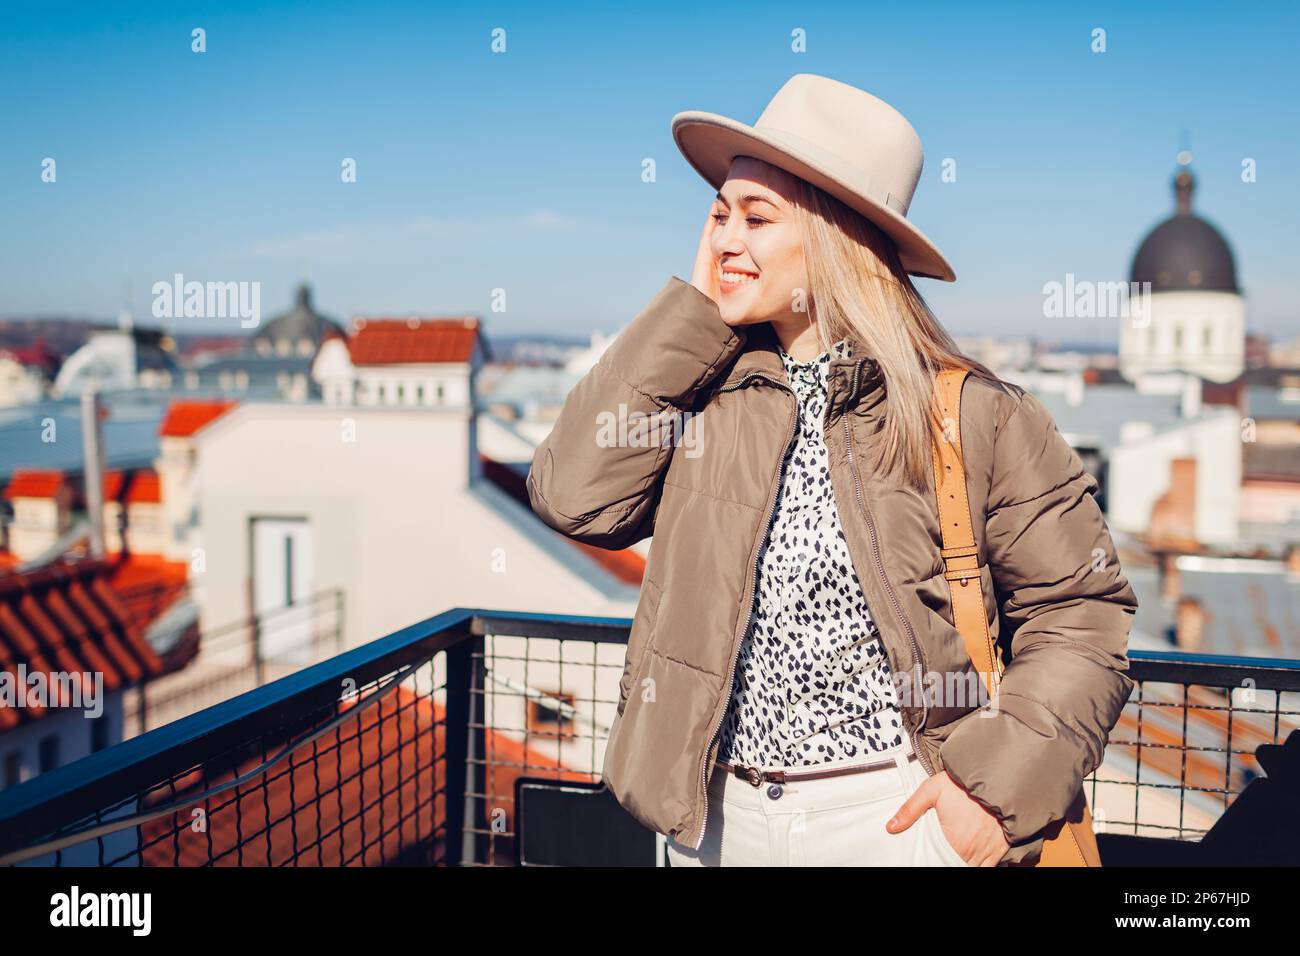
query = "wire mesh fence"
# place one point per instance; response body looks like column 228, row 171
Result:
column 408, row 750
column 1187, row 742
column 239, row 655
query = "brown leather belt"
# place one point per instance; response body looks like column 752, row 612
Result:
column 757, row 778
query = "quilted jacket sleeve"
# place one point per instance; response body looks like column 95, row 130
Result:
column 591, row 479
column 1061, row 588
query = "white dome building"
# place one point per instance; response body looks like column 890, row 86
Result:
column 1195, row 316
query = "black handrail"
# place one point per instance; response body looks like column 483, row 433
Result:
column 78, row 790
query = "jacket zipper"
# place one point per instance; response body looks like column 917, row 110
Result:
column 880, row 568
column 753, row 593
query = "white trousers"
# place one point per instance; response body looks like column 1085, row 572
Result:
column 833, row 821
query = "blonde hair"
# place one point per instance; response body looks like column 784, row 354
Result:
column 860, row 288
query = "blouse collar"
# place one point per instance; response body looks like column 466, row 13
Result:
column 813, row 371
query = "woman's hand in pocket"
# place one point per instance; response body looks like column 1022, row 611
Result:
column 974, row 832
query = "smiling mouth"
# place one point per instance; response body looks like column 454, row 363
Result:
column 731, row 279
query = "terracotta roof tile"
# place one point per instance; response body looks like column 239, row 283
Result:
column 187, row 417
column 146, row 585
column 141, row 487
column 65, row 617
column 35, row 483
column 384, row 341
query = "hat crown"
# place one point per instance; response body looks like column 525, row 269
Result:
column 848, row 143
column 863, row 131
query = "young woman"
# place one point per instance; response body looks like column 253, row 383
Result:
column 795, row 691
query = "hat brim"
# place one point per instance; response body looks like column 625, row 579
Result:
column 710, row 142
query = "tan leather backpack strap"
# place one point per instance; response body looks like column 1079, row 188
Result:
column 960, row 553
column 1069, row 841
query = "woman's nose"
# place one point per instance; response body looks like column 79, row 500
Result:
column 726, row 241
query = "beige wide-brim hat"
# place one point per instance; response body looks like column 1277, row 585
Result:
column 841, row 139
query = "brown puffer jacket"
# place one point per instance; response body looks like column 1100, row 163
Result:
column 1053, row 584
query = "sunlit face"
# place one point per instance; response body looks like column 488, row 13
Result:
column 756, row 245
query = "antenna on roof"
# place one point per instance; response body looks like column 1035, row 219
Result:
column 92, row 446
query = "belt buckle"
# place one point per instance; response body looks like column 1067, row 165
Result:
column 751, row 775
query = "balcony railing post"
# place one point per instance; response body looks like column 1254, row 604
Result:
column 464, row 743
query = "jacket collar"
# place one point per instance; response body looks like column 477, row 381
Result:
column 760, row 355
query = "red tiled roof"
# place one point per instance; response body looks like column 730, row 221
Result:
column 35, row 483
column 38, row 355
column 627, row 565
column 66, row 617
column 141, row 486
column 185, row 418
column 146, row 584
column 382, row 341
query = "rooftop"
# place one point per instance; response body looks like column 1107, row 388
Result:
column 388, row 341
column 1185, row 253
column 186, row 417
column 65, row 618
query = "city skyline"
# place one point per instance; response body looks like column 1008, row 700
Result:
column 478, row 171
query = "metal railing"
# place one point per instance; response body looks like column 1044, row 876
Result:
column 1186, row 743
column 236, row 657
column 406, row 751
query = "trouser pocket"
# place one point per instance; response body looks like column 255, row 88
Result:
column 946, row 848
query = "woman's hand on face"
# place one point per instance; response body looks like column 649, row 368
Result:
column 707, row 278
column 705, row 274
column 974, row 832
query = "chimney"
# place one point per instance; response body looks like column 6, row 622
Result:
column 1171, row 582
column 92, row 446
column 1189, row 624
column 1172, row 525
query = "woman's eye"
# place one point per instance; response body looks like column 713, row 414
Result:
column 718, row 217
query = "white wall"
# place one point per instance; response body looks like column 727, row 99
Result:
column 394, row 521
column 443, row 385
column 1157, row 346
column 19, row 385
column 145, row 527
column 37, row 524
column 1140, row 473
column 175, row 466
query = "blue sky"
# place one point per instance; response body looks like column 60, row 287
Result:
column 522, row 170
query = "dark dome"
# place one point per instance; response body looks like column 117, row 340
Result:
column 1185, row 253
column 302, row 322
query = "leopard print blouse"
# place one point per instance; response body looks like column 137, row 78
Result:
column 812, row 683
